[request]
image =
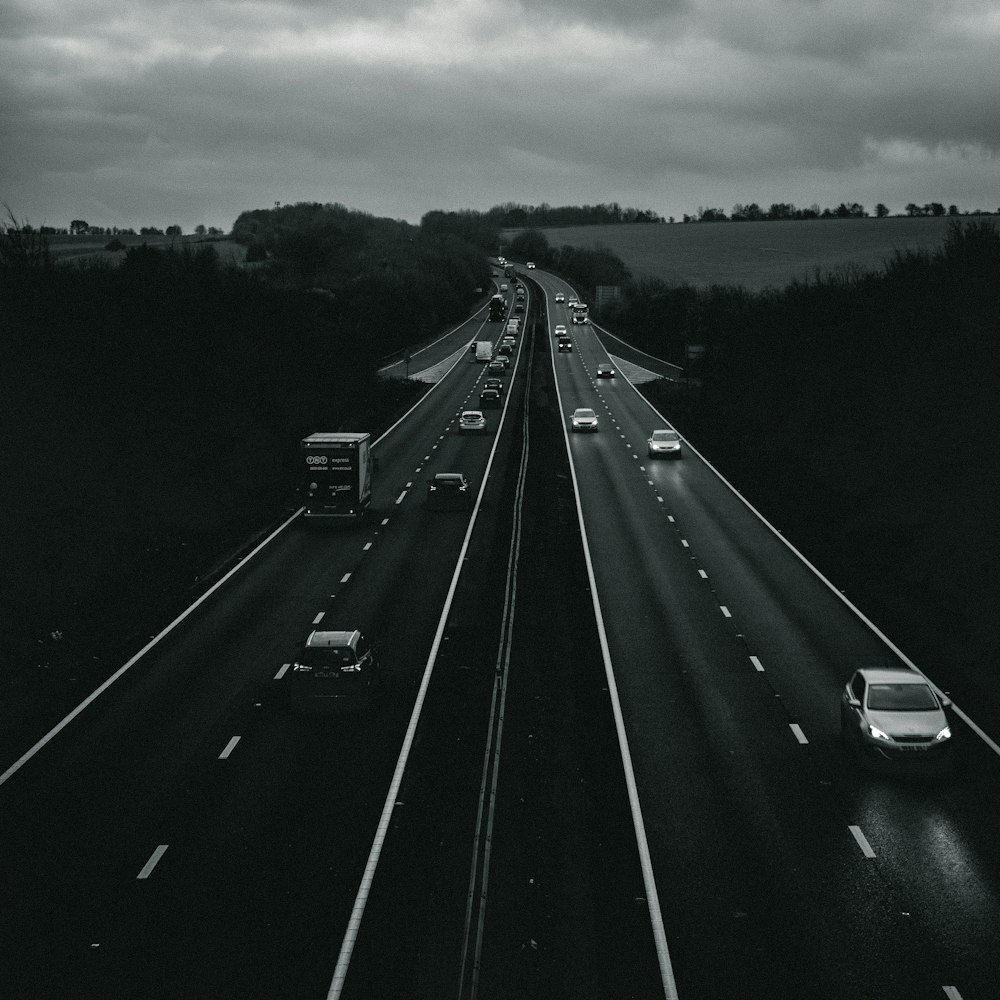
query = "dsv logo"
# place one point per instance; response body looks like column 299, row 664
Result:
column 315, row 459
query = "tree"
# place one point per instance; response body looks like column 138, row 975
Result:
column 953, row 209
column 173, row 231
column 935, row 208
column 881, row 211
column 78, row 226
column 199, row 230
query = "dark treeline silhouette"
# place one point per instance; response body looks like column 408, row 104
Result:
column 392, row 283
column 784, row 211
column 511, row 215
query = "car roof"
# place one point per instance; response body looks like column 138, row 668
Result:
column 585, row 411
column 333, row 639
column 604, row 364
column 892, row 675
column 472, row 413
column 449, row 477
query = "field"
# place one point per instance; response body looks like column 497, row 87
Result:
column 86, row 247
column 754, row 254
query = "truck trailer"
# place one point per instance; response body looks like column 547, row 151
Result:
column 338, row 476
column 484, row 350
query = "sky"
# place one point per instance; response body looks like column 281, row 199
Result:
column 180, row 112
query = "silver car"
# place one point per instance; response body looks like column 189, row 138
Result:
column 893, row 714
column 584, row 420
column 664, row 444
column 472, row 422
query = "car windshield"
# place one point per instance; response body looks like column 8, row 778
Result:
column 328, row 656
column 901, row 698
column 664, row 435
column 448, row 479
column 585, row 413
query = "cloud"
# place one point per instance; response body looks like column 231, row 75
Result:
column 194, row 111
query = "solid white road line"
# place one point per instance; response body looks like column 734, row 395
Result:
column 866, row 848
column 154, row 858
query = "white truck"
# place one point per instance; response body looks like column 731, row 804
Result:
column 484, row 350
column 337, row 468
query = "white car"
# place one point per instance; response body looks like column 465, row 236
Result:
column 472, row 422
column 664, row 444
column 560, row 331
column 560, row 297
column 530, row 265
column 584, row 419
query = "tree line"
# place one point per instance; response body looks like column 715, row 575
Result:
column 783, row 211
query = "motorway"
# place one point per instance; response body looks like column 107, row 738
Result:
column 604, row 760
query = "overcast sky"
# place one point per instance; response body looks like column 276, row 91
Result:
column 152, row 112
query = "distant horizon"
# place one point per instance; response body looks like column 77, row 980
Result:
column 97, row 229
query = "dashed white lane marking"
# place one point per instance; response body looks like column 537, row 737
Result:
column 230, row 747
column 399, row 499
column 670, row 518
column 799, row 735
column 702, row 574
column 684, row 542
column 951, row 992
column 866, row 848
column 660, row 500
column 345, row 578
column 385, row 521
column 282, row 671
column 368, row 545
column 408, row 485
column 757, row 664
column 154, row 858
column 318, row 618
column 725, row 610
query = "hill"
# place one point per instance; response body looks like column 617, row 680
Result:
column 756, row 255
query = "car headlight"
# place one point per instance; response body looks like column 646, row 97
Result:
column 945, row 734
column 878, row 733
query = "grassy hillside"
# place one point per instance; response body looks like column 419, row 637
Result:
column 754, row 254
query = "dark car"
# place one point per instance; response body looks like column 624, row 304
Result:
column 449, row 491
column 893, row 715
column 565, row 344
column 489, row 399
column 494, row 383
column 605, row 371
column 334, row 670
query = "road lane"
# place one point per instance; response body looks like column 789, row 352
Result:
column 724, row 641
